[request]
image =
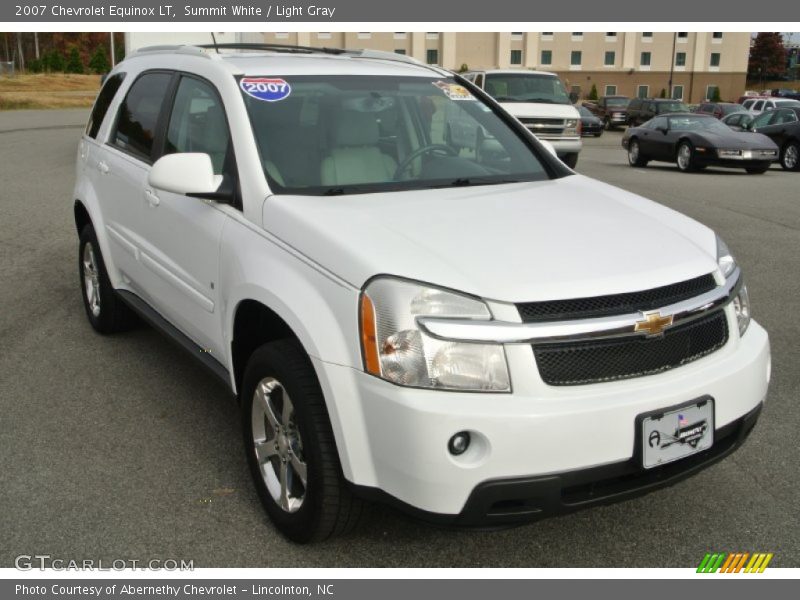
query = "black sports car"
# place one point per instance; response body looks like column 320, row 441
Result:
column 696, row 141
column 782, row 126
column 590, row 124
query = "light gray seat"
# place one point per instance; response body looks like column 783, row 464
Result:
column 355, row 157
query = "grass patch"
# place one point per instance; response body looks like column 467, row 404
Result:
column 43, row 91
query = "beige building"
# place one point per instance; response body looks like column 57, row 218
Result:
column 626, row 63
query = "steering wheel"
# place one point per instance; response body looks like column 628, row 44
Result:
column 406, row 162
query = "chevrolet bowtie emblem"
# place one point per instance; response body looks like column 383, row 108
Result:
column 653, row 323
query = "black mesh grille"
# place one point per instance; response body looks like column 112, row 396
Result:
column 616, row 304
column 577, row 363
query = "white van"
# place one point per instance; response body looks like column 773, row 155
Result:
column 541, row 102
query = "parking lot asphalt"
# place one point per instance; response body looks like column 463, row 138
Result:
column 123, row 448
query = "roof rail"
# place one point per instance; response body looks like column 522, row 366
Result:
column 271, row 47
column 168, row 48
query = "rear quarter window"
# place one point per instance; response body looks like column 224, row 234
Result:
column 104, row 98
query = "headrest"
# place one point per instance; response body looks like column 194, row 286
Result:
column 356, row 129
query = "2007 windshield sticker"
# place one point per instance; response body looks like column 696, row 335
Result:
column 267, row 89
column 454, row 91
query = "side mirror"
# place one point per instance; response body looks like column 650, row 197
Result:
column 187, row 173
column 663, row 129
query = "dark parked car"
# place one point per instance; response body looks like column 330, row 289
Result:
column 786, row 93
column 782, row 126
column 590, row 124
column 641, row 110
column 718, row 109
column 612, row 110
column 696, row 141
column 739, row 121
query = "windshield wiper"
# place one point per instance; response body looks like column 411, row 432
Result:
column 333, row 192
column 467, row 181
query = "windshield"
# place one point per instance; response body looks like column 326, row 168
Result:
column 329, row 135
column 705, row 124
column 526, row 87
column 730, row 108
column 671, row 107
column 617, row 102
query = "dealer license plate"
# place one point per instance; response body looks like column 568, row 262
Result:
column 677, row 433
column 747, row 154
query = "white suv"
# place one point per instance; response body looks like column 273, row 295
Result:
column 476, row 335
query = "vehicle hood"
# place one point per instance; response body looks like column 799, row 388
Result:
column 563, row 238
column 529, row 109
column 739, row 140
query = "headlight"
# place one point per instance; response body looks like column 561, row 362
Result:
column 741, row 305
column 571, row 126
column 395, row 349
column 722, row 153
column 725, row 260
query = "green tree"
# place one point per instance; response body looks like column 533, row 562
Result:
column 53, row 62
column 593, row 92
column 463, row 68
column 74, row 63
column 715, row 97
column 663, row 93
column 767, row 56
column 98, row 63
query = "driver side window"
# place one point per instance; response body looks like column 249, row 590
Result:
column 198, row 123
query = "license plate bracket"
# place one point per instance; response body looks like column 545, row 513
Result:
column 676, row 432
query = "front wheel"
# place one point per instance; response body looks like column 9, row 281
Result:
column 571, row 160
column 790, row 156
column 635, row 158
column 290, row 446
column 685, row 157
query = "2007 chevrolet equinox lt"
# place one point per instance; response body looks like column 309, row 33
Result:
column 474, row 334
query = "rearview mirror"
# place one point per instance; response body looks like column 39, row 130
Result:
column 187, row 173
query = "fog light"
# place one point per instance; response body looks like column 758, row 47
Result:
column 459, row 443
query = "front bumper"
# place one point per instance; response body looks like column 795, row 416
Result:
column 564, row 146
column 393, row 440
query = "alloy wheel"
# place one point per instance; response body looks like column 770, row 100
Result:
column 684, row 157
column 790, row 157
column 91, row 279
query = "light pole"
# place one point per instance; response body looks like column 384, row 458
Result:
column 111, row 35
column 672, row 62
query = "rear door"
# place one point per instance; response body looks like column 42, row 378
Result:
column 122, row 169
column 181, row 234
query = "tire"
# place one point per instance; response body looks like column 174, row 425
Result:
column 684, row 157
column 599, row 133
column 635, row 158
column 790, row 157
column 607, row 124
column 106, row 312
column 571, row 160
column 323, row 506
column 757, row 170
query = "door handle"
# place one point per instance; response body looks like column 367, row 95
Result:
column 103, row 167
column 152, row 199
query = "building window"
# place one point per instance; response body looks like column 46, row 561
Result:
column 516, row 35
column 680, row 59
column 575, row 58
column 400, row 35
column 547, row 35
column 516, row 57
column 610, row 58
column 611, row 34
column 683, row 37
column 324, row 35
column 364, row 35
column 432, row 56
column 677, row 92
column 645, row 59
column 715, row 59
column 611, row 90
column 643, row 91
column 577, row 36
column 400, row 51
column 647, row 35
column 547, row 57
column 717, row 35
column 432, row 35
column 712, row 92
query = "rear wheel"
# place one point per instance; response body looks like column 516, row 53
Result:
column 685, row 157
column 571, row 160
column 790, row 156
column 104, row 309
column 290, row 446
column 635, row 158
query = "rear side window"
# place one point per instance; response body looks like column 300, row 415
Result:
column 110, row 88
column 138, row 115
